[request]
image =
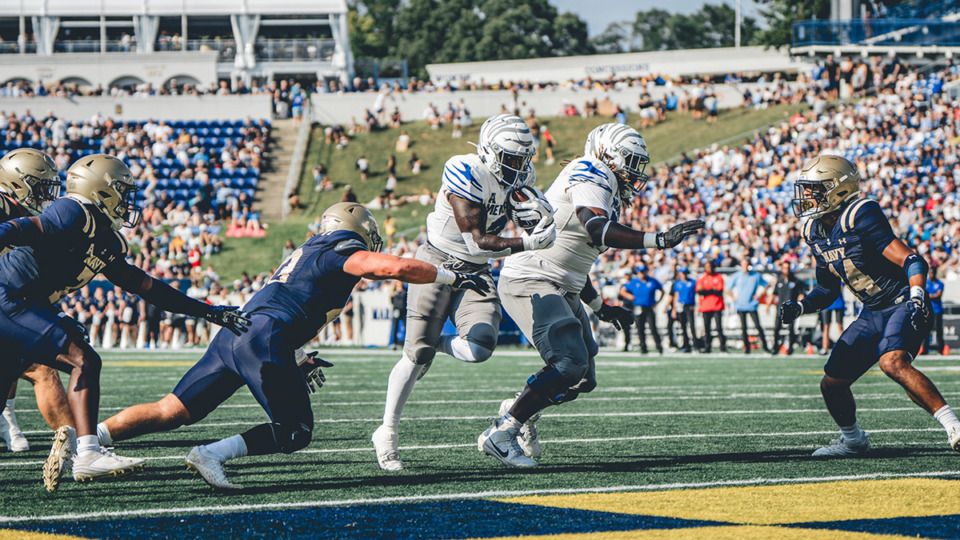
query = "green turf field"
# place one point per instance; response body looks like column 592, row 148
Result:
column 654, row 423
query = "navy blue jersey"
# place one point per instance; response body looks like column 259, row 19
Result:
column 853, row 251
column 77, row 244
column 10, row 209
column 310, row 288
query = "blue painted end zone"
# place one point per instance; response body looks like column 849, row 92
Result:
column 460, row 519
column 945, row 527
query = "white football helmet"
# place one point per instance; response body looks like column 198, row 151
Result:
column 622, row 149
column 506, row 147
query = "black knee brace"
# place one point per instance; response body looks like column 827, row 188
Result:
column 273, row 438
column 551, row 383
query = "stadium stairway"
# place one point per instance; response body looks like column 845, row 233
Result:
column 283, row 139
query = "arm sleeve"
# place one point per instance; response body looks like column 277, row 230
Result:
column 459, row 179
column 872, row 226
column 824, row 293
column 134, row 280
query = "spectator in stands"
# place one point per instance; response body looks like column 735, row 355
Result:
column 935, row 290
column 788, row 288
column 710, row 305
column 645, row 292
column 321, row 179
column 550, row 142
column 348, row 194
column 363, row 165
column 415, row 163
column 747, row 287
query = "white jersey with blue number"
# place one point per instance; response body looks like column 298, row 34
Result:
column 585, row 182
column 467, row 177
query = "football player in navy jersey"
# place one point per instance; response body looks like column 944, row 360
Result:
column 854, row 245
column 308, row 290
column 73, row 240
column 28, row 181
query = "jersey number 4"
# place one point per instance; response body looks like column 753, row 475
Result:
column 283, row 273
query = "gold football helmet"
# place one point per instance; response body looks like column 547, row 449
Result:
column 825, row 185
column 108, row 184
column 30, row 177
column 348, row 216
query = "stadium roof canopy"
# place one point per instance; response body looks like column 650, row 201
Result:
column 87, row 8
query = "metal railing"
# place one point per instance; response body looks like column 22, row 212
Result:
column 921, row 9
column 297, row 160
column 896, row 32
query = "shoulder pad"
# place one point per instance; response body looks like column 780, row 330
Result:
column 587, row 170
column 849, row 215
column 461, row 178
column 349, row 247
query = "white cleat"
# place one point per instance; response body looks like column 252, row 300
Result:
column 103, row 464
column 954, row 438
column 844, row 448
column 10, row 432
column 386, row 441
column 210, row 467
column 503, row 446
column 60, row 455
column 529, row 440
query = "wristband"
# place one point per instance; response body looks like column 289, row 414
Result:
column 444, row 276
column 300, row 356
column 649, row 240
column 595, row 304
column 916, row 291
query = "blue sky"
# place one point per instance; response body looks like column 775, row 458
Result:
column 600, row 13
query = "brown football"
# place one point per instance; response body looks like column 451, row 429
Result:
column 519, row 195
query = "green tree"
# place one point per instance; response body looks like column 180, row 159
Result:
column 781, row 14
column 433, row 31
column 616, row 38
column 713, row 25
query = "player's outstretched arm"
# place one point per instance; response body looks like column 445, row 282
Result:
column 605, row 232
column 370, row 265
column 136, row 281
column 916, row 269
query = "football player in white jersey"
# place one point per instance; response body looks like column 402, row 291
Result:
column 544, row 291
column 463, row 234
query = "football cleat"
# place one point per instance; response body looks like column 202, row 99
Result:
column 503, row 445
column 210, row 467
column 10, row 432
column 60, row 454
column 528, row 439
column 103, row 464
column 954, row 438
column 386, row 442
column 843, row 447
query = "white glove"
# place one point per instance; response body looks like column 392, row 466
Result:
column 528, row 213
column 542, row 236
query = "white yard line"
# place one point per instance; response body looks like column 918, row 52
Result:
column 464, row 496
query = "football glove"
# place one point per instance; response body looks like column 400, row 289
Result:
column 790, row 311
column 919, row 312
column 229, row 317
column 310, row 367
column 542, row 236
column 527, row 214
column 679, row 233
column 619, row 317
column 470, row 282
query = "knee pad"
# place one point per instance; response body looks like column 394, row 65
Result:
column 289, row 437
column 483, row 340
column 562, row 346
column 423, row 354
column 553, row 384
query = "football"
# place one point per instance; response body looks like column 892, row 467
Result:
column 527, row 208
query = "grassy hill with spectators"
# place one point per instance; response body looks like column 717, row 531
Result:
column 666, row 141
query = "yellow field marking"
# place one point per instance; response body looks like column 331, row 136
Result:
column 148, row 363
column 768, row 505
column 7, row 534
column 744, row 532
